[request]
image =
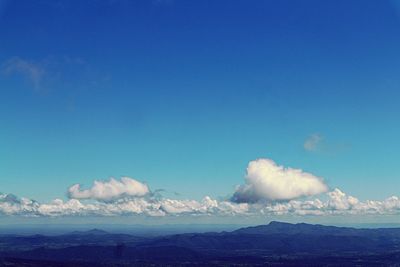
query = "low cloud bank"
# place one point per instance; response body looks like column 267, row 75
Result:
column 336, row 203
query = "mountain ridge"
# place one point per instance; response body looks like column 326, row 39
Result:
column 264, row 244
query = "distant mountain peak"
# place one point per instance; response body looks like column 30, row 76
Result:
column 94, row 231
column 276, row 227
column 279, row 223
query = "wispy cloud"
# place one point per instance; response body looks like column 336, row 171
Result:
column 313, row 142
column 53, row 73
column 317, row 143
column 33, row 72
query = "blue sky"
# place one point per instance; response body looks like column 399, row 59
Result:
column 182, row 95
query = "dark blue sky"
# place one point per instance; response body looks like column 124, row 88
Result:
column 183, row 94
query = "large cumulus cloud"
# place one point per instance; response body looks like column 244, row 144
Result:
column 265, row 180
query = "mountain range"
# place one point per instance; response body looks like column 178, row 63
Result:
column 274, row 244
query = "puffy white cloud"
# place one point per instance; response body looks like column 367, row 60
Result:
column 12, row 205
column 340, row 201
column 265, row 180
column 109, row 190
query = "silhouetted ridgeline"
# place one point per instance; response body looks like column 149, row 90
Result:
column 273, row 244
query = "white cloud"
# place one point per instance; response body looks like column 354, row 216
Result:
column 265, row 180
column 313, row 142
column 340, row 201
column 336, row 203
column 32, row 71
column 11, row 205
column 109, row 190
